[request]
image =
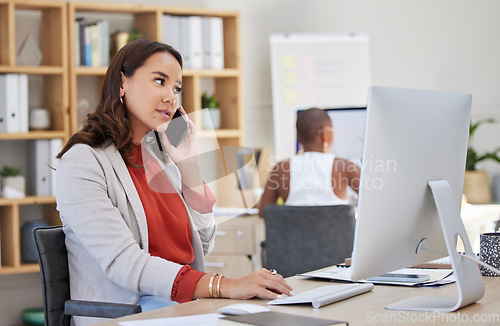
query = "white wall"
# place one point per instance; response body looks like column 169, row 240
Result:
column 450, row 45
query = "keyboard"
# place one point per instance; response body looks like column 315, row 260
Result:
column 324, row 295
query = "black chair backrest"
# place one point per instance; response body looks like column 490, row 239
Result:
column 304, row 238
column 53, row 261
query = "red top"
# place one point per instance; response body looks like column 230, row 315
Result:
column 169, row 228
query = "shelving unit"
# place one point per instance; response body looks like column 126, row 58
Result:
column 148, row 21
column 64, row 84
column 10, row 231
column 54, row 76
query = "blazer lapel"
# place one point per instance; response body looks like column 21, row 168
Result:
column 128, row 185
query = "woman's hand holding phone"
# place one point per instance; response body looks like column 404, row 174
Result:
column 179, row 138
column 177, row 129
column 181, row 144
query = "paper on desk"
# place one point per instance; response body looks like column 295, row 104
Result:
column 194, row 320
column 437, row 277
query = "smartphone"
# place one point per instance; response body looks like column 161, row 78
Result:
column 177, row 129
column 396, row 277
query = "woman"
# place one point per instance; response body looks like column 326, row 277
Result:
column 315, row 177
column 129, row 237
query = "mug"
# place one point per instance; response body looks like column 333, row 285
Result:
column 39, row 119
column 210, row 118
column 489, row 252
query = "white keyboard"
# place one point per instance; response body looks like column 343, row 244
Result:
column 324, row 295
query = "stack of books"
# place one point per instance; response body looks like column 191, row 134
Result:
column 92, row 43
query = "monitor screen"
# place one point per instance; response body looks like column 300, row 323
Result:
column 413, row 139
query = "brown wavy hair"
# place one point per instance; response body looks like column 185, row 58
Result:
column 110, row 122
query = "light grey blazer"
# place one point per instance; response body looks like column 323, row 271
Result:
column 106, row 230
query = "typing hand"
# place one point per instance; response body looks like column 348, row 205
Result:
column 262, row 283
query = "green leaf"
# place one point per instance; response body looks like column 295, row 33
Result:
column 471, row 160
column 473, row 157
column 473, row 126
column 10, row 171
column 209, row 101
column 134, row 34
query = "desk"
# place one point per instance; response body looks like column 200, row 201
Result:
column 366, row 309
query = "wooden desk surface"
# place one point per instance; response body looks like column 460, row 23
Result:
column 365, row 309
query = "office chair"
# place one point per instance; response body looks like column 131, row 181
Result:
column 57, row 306
column 304, row 238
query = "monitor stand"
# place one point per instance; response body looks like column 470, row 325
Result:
column 467, row 276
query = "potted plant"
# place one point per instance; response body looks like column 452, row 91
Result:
column 134, row 34
column 211, row 116
column 13, row 184
column 476, row 182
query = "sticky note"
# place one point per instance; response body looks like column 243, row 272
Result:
column 290, row 79
column 288, row 62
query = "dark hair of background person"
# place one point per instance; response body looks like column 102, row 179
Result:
column 309, row 122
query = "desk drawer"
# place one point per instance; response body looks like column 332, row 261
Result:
column 234, row 239
column 234, row 266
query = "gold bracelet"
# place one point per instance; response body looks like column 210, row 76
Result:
column 210, row 285
column 214, row 294
column 217, row 291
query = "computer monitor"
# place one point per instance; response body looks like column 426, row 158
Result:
column 413, row 166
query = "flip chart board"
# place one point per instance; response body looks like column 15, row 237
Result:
column 315, row 70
